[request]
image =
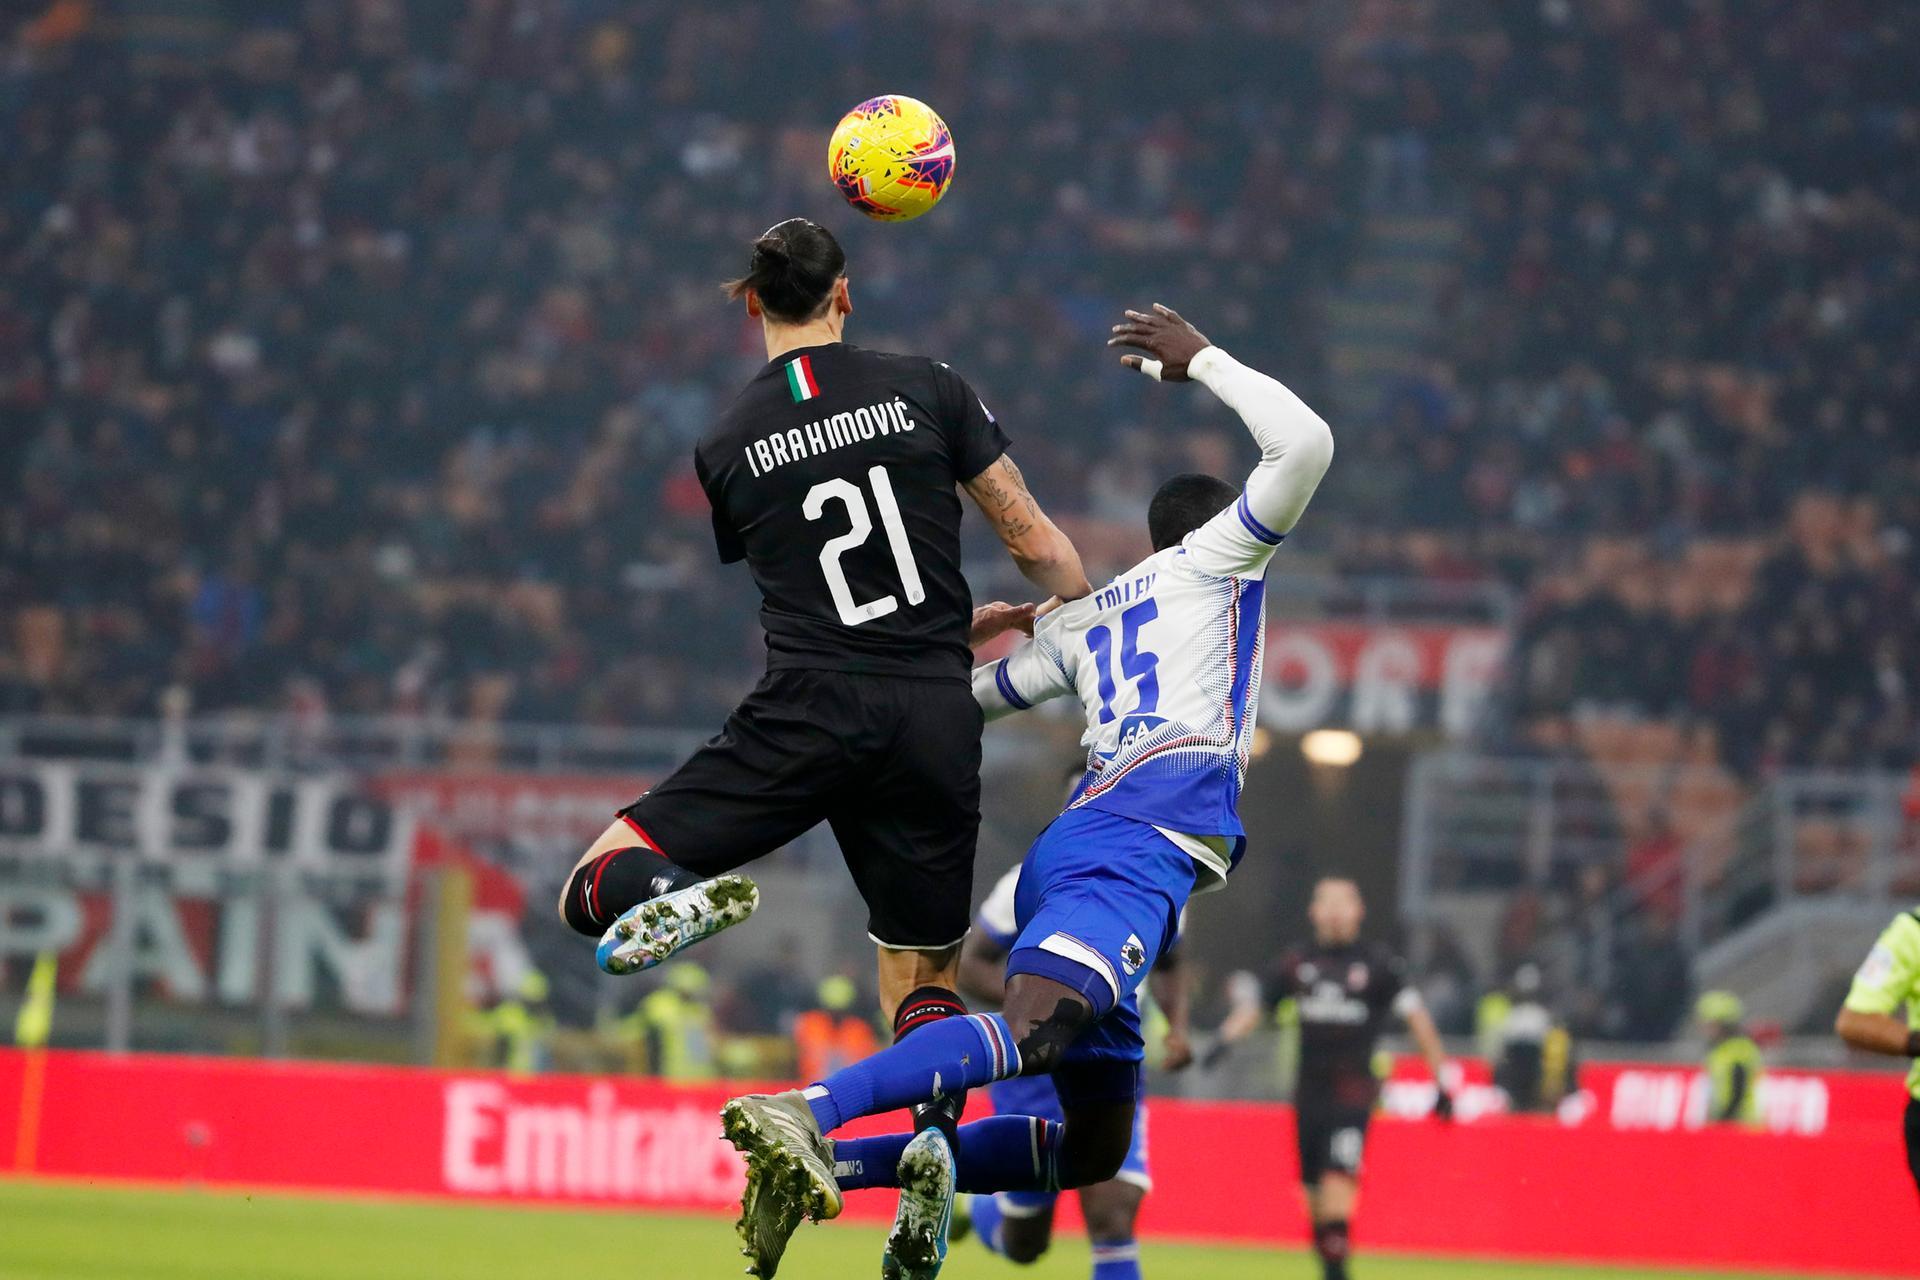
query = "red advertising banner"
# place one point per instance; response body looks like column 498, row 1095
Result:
column 1659, row 1098
column 1496, row 1186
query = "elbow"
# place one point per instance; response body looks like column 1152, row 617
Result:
column 1856, row 1030
column 1317, row 447
column 1302, row 439
column 1044, row 556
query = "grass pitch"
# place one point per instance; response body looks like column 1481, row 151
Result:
column 59, row 1231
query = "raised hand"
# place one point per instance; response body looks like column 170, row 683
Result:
column 1169, row 341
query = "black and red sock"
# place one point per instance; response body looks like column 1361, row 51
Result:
column 922, row 1007
column 1332, row 1241
column 604, row 889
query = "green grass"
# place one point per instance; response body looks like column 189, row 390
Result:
column 73, row 1232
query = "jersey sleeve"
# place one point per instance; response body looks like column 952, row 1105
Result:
column 974, row 438
column 1296, row 448
column 1280, row 984
column 1244, row 989
column 725, row 537
column 1031, row 674
column 1391, row 988
column 997, row 919
column 1891, row 972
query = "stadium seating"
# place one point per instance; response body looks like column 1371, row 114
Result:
column 370, row 361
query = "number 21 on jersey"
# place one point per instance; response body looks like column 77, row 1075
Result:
column 861, row 527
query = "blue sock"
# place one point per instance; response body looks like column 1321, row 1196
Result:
column 861, row 1164
column 1000, row 1153
column 986, row 1221
column 1116, row 1260
column 949, row 1056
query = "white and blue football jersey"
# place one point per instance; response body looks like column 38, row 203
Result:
column 1166, row 657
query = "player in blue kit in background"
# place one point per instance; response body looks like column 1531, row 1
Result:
column 1018, row 1225
column 1166, row 662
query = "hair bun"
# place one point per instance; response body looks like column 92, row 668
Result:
column 793, row 269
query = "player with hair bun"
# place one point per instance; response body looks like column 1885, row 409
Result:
column 834, row 475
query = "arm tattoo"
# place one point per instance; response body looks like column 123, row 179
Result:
column 1005, row 499
column 1021, row 491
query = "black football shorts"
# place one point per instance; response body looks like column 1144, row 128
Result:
column 891, row 763
column 1913, row 1140
column 1333, row 1139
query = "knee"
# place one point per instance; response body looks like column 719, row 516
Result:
column 571, row 903
column 1025, row 1242
column 1112, row 1220
column 1044, row 1021
column 1094, row 1156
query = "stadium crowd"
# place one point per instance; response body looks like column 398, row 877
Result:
column 358, row 369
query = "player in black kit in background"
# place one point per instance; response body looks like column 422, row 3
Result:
column 833, row 474
column 1344, row 990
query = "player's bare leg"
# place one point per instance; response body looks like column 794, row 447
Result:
column 1112, row 1211
column 1330, row 1205
column 1017, row 1232
column 644, row 906
column 1022, row 1231
column 903, row 972
column 1095, row 1141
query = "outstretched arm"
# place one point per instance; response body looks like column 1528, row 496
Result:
column 1044, row 554
column 1296, row 446
column 1247, row 1008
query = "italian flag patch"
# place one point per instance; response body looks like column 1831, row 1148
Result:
column 800, row 379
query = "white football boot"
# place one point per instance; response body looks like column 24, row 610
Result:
column 917, row 1245
column 664, row 926
column 789, row 1173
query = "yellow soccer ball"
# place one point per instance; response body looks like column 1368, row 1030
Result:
column 891, row 157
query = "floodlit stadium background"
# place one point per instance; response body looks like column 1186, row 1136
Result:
column 352, row 568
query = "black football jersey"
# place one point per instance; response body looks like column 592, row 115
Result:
column 1344, row 996
column 833, row 476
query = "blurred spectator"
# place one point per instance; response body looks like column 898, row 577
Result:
column 516, row 1030
column 361, row 366
column 1531, row 1051
column 1648, row 998
column 670, row 1033
column 1734, row 1067
column 832, row 1034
